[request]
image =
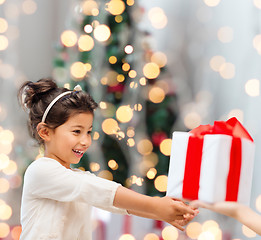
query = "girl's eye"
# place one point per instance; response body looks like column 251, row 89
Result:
column 77, row 131
column 90, row 132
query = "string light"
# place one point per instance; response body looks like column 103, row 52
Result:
column 212, row 3
column 160, row 183
column 144, row 147
column 3, row 42
column 252, row 87
column 193, row 230
column 85, row 43
column 115, row 7
column 151, row 70
column 170, row 233
column 102, row 33
column 157, row 18
column 3, row 25
column 110, row 126
column 69, row 38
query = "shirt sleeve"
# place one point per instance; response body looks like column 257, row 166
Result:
column 47, row 178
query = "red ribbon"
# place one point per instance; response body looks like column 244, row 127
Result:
column 233, row 128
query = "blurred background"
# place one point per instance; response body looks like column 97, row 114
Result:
column 154, row 67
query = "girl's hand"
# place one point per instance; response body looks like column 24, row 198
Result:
column 175, row 212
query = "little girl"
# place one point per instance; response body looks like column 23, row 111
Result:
column 57, row 200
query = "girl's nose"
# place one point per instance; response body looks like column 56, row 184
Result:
column 86, row 140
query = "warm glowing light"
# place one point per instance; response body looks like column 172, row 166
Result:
column 4, row 161
column 4, row 230
column 4, row 185
column 110, row 126
column 88, row 67
column 151, row 70
column 29, row 7
column 11, row 168
column 252, row 87
column 3, row 25
column 113, row 164
column 258, row 203
column 106, row 174
column 120, row 135
column 143, row 81
column 160, row 183
column 133, row 85
column 96, row 136
column 112, row 59
column 69, row 38
column 120, row 78
column 102, row 33
column 193, row 230
column 132, row 73
column 130, row 2
column 192, row 120
column 78, row 70
column 206, row 236
column 16, row 232
column 248, row 232
column 5, row 147
column 170, row 233
column 165, row 146
column 90, row 7
column 227, row 70
column 126, row 237
column 130, row 132
column 5, row 212
column 85, row 43
column 131, row 142
column 111, row 78
column 67, row 85
column 157, row 17
column 144, row 147
column 257, row 3
column 151, row 236
column 212, row 3
column 88, row 28
column 216, row 62
column 159, row 58
column 151, row 173
column 94, row 167
column 126, row 67
column 238, row 113
column 2, row 1
column 3, row 42
column 138, row 107
column 124, row 113
column 225, row 34
column 156, row 94
column 115, row 7
column 209, row 224
column 128, row 49
column 118, row 19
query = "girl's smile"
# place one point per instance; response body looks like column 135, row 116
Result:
column 68, row 142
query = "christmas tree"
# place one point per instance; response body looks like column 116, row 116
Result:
column 105, row 52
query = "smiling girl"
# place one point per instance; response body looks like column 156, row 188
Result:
column 57, row 200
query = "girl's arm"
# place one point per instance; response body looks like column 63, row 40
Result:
column 166, row 209
column 242, row 213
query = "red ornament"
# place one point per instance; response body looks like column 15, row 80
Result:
column 158, row 137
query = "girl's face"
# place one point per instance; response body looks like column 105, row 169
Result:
column 70, row 140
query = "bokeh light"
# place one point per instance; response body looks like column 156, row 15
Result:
column 151, row 173
column 258, row 203
column 225, row 34
column 85, row 43
column 94, row 167
column 151, row 70
column 160, row 183
column 165, row 146
column 257, row 3
column 131, row 142
column 206, row 236
column 4, row 230
column 156, row 94
column 4, row 161
column 238, row 113
column 216, row 62
column 227, row 70
column 3, row 25
column 115, row 7
column 102, row 33
column 88, row 28
column 110, row 126
column 113, row 164
column 159, row 58
column 157, row 17
column 16, row 232
column 69, row 38
column 106, row 175
column 126, row 237
column 124, row 114
column 3, row 42
column 170, row 233
column 4, row 185
column 248, row 232
column 252, row 87
column 78, row 70
column 212, row 3
column 90, row 8
column 5, row 212
column 192, row 120
column 193, row 230
column 128, row 49
column 29, row 7
column 209, row 224
column 151, row 236
column 144, row 147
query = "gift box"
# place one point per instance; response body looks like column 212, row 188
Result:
column 212, row 163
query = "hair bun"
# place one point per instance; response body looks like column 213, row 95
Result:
column 32, row 92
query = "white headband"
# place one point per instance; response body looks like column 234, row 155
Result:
column 77, row 88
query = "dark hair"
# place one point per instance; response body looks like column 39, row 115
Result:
column 36, row 96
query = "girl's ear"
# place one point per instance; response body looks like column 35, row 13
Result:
column 43, row 131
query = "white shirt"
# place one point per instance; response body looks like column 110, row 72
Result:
column 56, row 201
